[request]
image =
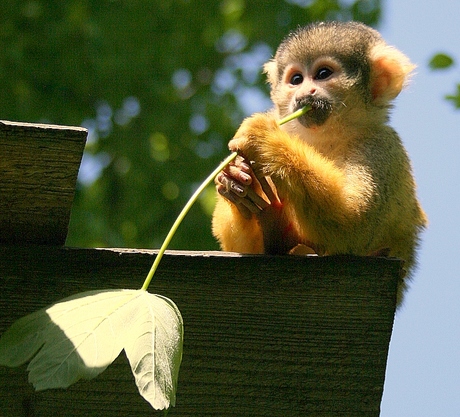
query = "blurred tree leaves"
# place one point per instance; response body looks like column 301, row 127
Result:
column 160, row 84
column 442, row 61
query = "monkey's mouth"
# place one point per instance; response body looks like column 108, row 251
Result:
column 320, row 111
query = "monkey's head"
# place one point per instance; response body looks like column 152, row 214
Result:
column 336, row 68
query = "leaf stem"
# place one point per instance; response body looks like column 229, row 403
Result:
column 195, row 195
column 181, row 216
column 295, row 115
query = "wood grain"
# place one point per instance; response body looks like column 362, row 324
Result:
column 264, row 335
column 38, row 171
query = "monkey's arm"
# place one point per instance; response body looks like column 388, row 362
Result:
column 321, row 193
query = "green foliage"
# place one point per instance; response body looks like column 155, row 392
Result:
column 441, row 61
column 161, row 84
column 455, row 98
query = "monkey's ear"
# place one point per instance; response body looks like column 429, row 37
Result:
column 390, row 70
column 271, row 69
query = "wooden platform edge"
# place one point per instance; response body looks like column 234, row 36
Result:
column 264, row 335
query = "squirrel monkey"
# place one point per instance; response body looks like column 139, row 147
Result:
column 337, row 180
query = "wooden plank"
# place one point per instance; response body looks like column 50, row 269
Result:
column 264, row 335
column 38, row 171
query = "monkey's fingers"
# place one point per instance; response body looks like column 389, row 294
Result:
column 240, row 170
column 237, row 202
column 252, row 200
column 256, row 199
column 244, row 198
column 267, row 185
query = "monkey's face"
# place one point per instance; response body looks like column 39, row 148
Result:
column 311, row 85
column 321, row 83
column 344, row 71
column 325, row 65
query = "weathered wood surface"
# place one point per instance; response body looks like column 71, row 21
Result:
column 264, row 335
column 38, row 170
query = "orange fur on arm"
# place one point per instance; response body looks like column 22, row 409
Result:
column 315, row 185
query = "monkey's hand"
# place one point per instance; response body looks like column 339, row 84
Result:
column 243, row 182
column 239, row 184
column 251, row 135
column 248, row 142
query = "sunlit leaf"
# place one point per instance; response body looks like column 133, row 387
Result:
column 154, row 349
column 80, row 336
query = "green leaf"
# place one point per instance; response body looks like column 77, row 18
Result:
column 441, row 61
column 154, row 348
column 80, row 336
column 455, row 98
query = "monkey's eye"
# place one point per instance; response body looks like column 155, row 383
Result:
column 323, row 73
column 296, row 79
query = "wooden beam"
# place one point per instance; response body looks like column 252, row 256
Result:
column 38, row 171
column 264, row 335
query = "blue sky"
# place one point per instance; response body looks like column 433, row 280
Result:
column 423, row 373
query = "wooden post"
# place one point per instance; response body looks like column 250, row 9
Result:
column 38, row 170
column 264, row 335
